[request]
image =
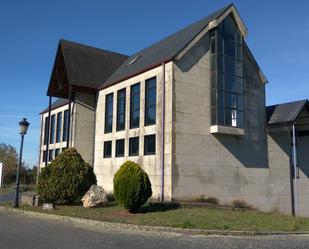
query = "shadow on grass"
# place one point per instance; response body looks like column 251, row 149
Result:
column 158, row 207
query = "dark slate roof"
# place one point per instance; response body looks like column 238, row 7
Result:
column 88, row 66
column 56, row 104
column 285, row 113
column 162, row 51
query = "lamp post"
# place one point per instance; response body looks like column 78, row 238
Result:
column 23, row 127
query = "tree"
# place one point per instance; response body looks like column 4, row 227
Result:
column 9, row 158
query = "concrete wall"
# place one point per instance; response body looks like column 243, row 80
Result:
column 84, row 124
column 223, row 166
column 105, row 168
column 82, row 127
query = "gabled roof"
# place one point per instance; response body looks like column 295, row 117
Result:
column 86, row 66
column 286, row 113
column 162, row 51
column 56, row 104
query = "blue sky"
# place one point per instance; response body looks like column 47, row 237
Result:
column 30, row 30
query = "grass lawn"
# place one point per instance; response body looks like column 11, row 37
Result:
column 174, row 216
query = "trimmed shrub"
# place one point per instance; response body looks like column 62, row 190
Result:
column 212, row 200
column 132, row 187
column 66, row 179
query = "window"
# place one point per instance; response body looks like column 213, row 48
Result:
column 52, row 130
column 150, row 145
column 50, row 155
column 44, row 156
column 121, row 109
column 65, row 132
column 107, row 149
column 134, row 146
column 226, row 75
column 150, row 101
column 45, row 130
column 58, row 128
column 120, row 148
column 109, row 113
column 135, row 106
column 57, row 152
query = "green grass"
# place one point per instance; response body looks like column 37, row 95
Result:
column 173, row 216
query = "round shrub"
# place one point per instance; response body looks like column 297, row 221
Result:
column 132, row 187
column 66, row 179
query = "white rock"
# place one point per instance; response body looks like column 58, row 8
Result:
column 94, row 197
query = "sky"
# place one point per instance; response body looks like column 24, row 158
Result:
column 30, row 30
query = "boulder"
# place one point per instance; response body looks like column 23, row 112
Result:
column 95, row 197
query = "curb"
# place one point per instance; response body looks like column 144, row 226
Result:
column 102, row 226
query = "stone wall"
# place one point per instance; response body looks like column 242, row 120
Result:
column 105, row 168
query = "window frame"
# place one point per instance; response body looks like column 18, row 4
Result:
column 109, row 116
column 147, row 105
column 109, row 143
column 58, row 127
column 65, row 126
column 146, row 142
column 117, row 147
column 131, row 140
column 136, row 109
column 52, row 129
column 50, row 155
column 119, row 97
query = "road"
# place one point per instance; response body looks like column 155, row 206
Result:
column 20, row 232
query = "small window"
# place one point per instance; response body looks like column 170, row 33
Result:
column 50, row 155
column 57, row 152
column 44, row 156
column 58, row 128
column 121, row 109
column 52, row 130
column 134, row 146
column 135, row 106
column 107, row 149
column 150, row 101
column 120, row 148
column 150, row 145
column 65, row 129
column 45, row 130
column 109, row 113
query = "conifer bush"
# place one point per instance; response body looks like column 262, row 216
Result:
column 66, row 179
column 132, row 187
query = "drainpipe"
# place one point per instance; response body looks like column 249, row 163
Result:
column 48, row 127
column 295, row 171
column 162, row 132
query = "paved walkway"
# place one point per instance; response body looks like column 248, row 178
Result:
column 20, row 232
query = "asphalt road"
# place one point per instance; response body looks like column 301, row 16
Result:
column 20, row 232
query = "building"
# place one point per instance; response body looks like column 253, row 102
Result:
column 191, row 110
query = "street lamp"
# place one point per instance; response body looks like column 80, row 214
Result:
column 23, row 127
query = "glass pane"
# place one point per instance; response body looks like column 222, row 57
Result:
column 229, row 48
column 150, row 145
column 229, row 28
column 135, row 119
column 221, row 98
column 151, row 98
column 228, row 117
column 220, row 45
column 220, row 80
column 230, row 83
column 220, row 64
column 151, row 115
column 239, row 68
column 120, row 147
column 133, row 146
column 238, row 52
column 107, row 149
column 221, row 116
column 240, row 102
column 231, row 100
column 229, row 65
column 239, row 83
column 240, row 119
